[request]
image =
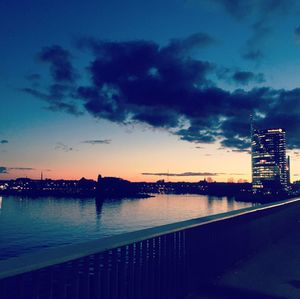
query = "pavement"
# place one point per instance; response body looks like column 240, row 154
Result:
column 274, row 272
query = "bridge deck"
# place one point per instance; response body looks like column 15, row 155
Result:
column 274, row 272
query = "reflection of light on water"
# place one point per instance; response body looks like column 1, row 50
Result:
column 0, row 202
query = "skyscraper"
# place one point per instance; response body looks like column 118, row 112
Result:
column 288, row 171
column 269, row 165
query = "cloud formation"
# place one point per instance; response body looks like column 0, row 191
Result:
column 241, row 151
column 4, row 169
column 58, row 97
column 263, row 15
column 58, row 94
column 3, row 141
column 239, row 77
column 97, row 141
column 21, row 168
column 63, row 147
column 166, row 87
column 245, row 78
column 182, row 174
column 59, row 60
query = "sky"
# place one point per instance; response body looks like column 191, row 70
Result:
column 140, row 90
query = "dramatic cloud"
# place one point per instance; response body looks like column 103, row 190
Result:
column 22, row 168
column 239, row 77
column 246, row 77
column 57, row 98
column 63, row 147
column 3, row 141
column 166, row 87
column 3, row 169
column 97, row 141
column 59, row 95
column 182, row 174
column 59, row 60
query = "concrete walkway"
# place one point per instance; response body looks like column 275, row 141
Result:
column 272, row 273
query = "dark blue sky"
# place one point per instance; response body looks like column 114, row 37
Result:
column 195, row 70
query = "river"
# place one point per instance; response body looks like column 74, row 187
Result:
column 29, row 224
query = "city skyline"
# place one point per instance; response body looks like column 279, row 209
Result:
column 141, row 91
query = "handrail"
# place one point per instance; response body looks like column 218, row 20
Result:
column 52, row 256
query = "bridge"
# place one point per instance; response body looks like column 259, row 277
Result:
column 248, row 253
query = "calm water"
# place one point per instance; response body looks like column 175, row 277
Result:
column 30, row 224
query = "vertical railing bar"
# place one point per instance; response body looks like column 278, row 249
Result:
column 156, row 269
column 75, row 279
column 113, row 265
column 139, row 272
column 159, row 276
column 127, row 271
column 150, row 267
column 165, row 267
column 130, row 270
column 184, row 260
column 101, row 279
column 123, row 273
column 109, row 280
column 20, row 284
column 145, row 272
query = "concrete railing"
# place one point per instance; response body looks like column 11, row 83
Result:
column 168, row 261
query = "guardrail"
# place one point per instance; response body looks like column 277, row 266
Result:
column 168, row 261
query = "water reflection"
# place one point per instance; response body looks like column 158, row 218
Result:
column 28, row 224
column 98, row 206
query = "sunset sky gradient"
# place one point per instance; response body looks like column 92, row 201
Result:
column 128, row 88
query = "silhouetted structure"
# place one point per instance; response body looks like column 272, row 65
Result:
column 117, row 188
column 48, row 187
column 269, row 166
column 112, row 187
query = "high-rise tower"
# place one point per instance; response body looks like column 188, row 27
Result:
column 288, row 171
column 269, row 165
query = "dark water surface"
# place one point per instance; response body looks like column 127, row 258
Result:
column 28, row 224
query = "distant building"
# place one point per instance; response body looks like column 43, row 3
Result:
column 230, row 180
column 209, row 180
column 288, row 171
column 269, row 165
column 241, row 181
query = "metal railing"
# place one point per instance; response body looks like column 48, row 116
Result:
column 168, row 261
